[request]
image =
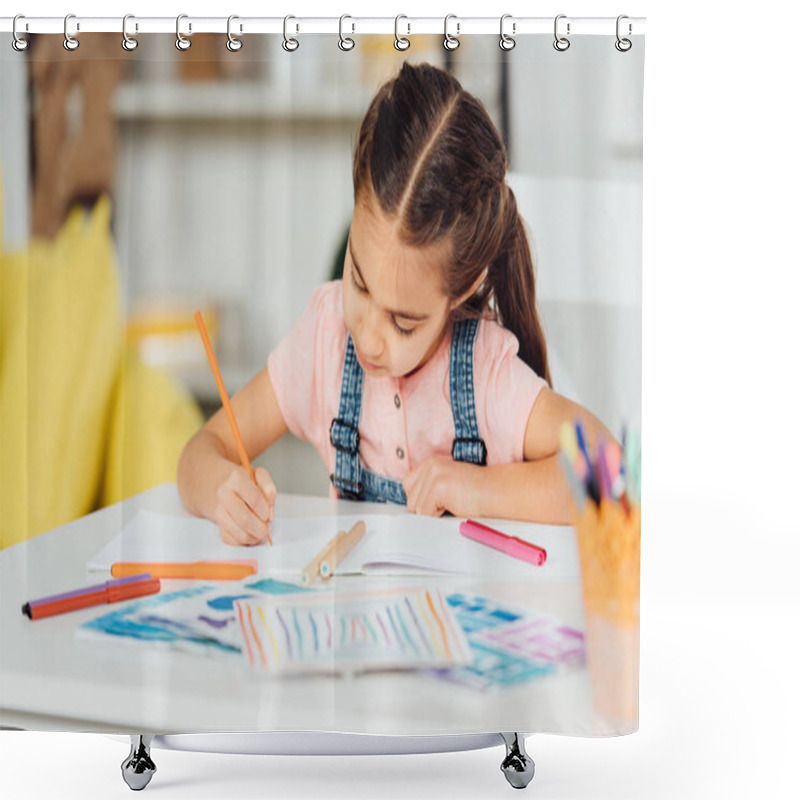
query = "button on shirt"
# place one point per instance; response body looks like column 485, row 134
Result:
column 405, row 420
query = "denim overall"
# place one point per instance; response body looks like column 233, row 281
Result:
column 351, row 478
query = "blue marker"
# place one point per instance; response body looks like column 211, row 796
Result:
column 591, row 478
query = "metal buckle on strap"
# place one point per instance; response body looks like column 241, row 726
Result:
column 482, row 444
column 348, row 494
column 336, row 438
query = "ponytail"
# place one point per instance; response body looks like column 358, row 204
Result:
column 512, row 284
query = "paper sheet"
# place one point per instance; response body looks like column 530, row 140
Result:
column 511, row 645
column 398, row 630
column 481, row 643
column 405, row 544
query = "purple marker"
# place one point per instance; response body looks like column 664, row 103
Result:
column 602, row 471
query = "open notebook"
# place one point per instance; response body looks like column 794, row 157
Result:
column 397, row 544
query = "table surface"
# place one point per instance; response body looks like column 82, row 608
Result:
column 51, row 681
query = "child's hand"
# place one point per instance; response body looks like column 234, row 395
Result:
column 441, row 484
column 244, row 510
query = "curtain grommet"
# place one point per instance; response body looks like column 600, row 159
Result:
column 181, row 42
column 129, row 43
column 451, row 42
column 507, row 42
column 19, row 43
column 400, row 42
column 233, row 44
column 345, row 42
column 71, row 43
column 623, row 45
column 289, row 44
column 561, row 43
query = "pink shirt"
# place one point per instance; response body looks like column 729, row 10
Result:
column 406, row 420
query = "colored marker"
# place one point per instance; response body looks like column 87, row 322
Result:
column 109, row 592
column 622, row 456
column 510, row 545
column 231, row 570
column 614, row 464
column 633, row 466
column 626, row 506
column 575, row 485
column 569, row 443
column 591, row 482
column 603, row 476
column 581, row 470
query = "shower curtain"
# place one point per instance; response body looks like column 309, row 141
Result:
column 144, row 183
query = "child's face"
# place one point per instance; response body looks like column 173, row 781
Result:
column 393, row 304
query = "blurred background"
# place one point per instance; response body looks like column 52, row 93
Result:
column 162, row 181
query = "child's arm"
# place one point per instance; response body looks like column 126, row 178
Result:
column 537, row 489
column 211, row 479
column 534, row 490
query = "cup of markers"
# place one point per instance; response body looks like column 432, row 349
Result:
column 606, row 489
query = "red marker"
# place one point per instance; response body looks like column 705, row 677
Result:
column 510, row 545
column 108, row 592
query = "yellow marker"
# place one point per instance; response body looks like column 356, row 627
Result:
column 569, row 444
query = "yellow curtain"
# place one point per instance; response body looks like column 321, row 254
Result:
column 82, row 421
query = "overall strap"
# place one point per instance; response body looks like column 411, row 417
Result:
column 468, row 445
column 380, row 488
column 344, row 429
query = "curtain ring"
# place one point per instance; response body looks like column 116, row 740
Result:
column 290, row 45
column 623, row 45
column 233, row 44
column 561, row 43
column 70, row 42
column 128, row 42
column 19, row 43
column 182, row 43
column 451, row 42
column 401, row 43
column 346, row 43
column 506, row 42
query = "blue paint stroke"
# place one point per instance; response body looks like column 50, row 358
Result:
column 226, row 602
column 271, row 586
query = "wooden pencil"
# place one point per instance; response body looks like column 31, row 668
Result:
column 212, row 359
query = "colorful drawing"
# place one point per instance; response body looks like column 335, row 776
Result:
column 407, row 630
column 472, row 640
column 510, row 646
column 197, row 619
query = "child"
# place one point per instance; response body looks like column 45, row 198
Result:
column 421, row 376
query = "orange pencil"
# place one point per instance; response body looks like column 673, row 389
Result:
column 192, row 570
column 212, row 359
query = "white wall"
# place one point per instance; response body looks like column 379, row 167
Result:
column 576, row 155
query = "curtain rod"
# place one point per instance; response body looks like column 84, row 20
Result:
column 407, row 26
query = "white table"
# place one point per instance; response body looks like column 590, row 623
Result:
column 50, row 681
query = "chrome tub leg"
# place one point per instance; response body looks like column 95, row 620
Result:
column 517, row 766
column 138, row 768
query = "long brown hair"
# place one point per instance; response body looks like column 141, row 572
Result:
column 430, row 156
